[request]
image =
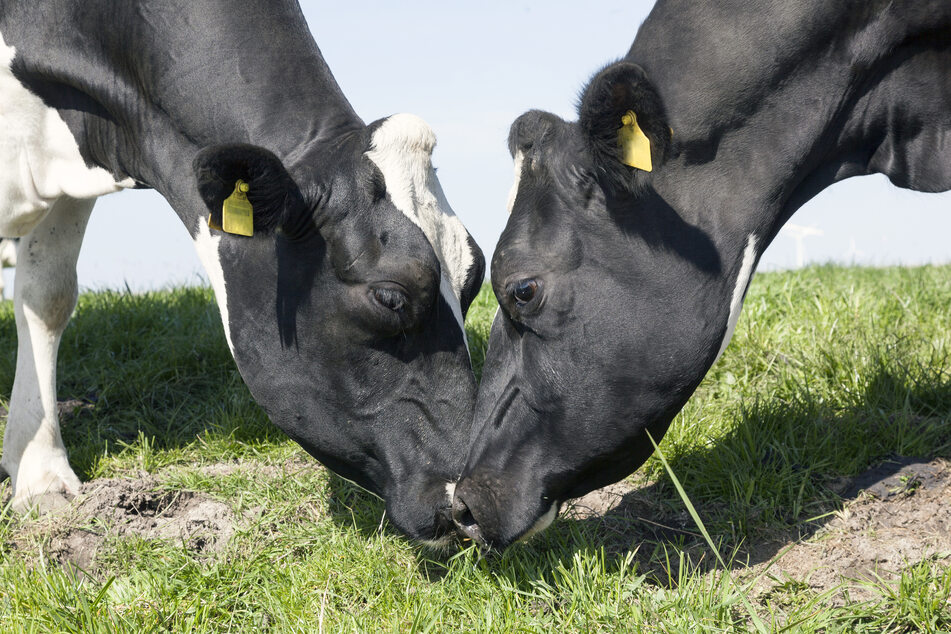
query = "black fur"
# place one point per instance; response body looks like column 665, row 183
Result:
column 149, row 92
column 634, row 292
column 532, row 130
column 277, row 201
column 614, row 90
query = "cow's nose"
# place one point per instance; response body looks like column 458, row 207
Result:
column 466, row 522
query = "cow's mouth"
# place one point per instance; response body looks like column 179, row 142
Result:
column 445, row 531
column 542, row 522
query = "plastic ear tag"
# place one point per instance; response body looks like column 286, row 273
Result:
column 237, row 215
column 634, row 144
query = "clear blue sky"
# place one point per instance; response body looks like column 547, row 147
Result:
column 469, row 69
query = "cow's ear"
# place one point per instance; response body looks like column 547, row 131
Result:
column 475, row 276
column 275, row 198
column 623, row 121
column 530, row 130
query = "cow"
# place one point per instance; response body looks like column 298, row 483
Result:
column 340, row 271
column 634, row 231
column 8, row 258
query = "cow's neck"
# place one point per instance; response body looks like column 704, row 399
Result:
column 766, row 105
column 150, row 84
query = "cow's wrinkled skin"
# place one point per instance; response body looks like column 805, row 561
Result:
column 343, row 311
column 619, row 288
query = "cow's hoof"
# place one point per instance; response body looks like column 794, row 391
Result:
column 45, row 503
column 49, row 493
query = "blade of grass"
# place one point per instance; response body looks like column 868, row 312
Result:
column 760, row 626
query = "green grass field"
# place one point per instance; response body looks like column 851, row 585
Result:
column 831, row 371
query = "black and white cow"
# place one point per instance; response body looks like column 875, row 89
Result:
column 619, row 287
column 8, row 258
column 344, row 310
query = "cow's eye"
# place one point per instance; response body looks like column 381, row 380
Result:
column 390, row 298
column 524, row 291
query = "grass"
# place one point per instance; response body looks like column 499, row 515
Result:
column 831, row 370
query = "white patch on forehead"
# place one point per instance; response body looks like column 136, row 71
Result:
column 513, row 193
column 40, row 157
column 739, row 291
column 455, row 305
column 207, row 247
column 402, row 149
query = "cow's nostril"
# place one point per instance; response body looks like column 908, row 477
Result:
column 465, row 521
column 461, row 514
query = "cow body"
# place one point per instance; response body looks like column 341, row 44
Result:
column 344, row 310
column 8, row 258
column 619, row 287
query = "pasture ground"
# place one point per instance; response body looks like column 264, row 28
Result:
column 815, row 453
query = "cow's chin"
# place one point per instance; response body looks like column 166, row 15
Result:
column 495, row 516
column 498, row 538
column 422, row 511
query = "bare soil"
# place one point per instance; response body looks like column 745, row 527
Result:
column 113, row 508
column 898, row 518
column 894, row 515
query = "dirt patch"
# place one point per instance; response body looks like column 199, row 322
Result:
column 892, row 516
column 70, row 407
column 113, row 508
column 629, row 514
column 600, row 502
column 899, row 517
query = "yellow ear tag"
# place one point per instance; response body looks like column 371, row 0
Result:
column 634, row 144
column 237, row 215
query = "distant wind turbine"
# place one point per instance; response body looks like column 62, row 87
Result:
column 854, row 252
column 799, row 233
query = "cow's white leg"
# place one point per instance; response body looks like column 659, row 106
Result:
column 44, row 296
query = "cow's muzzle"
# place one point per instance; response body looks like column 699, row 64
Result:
column 465, row 522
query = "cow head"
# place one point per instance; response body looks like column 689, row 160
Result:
column 605, row 324
column 344, row 311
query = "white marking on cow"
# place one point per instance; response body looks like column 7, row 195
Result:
column 46, row 195
column 739, row 291
column 44, row 297
column 513, row 193
column 40, row 158
column 543, row 522
column 445, row 288
column 206, row 245
column 443, row 542
column 402, row 149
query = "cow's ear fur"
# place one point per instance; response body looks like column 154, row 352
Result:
column 611, row 93
column 531, row 130
column 273, row 194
